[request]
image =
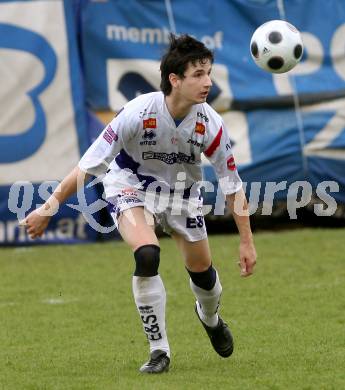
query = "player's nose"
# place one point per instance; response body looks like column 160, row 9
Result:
column 208, row 81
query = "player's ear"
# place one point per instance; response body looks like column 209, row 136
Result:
column 174, row 79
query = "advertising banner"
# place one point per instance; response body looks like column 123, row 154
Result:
column 122, row 43
column 273, row 142
column 42, row 121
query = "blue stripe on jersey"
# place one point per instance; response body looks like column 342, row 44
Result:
column 124, row 160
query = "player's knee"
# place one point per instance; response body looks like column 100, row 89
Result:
column 205, row 279
column 147, row 259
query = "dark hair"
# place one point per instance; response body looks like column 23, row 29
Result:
column 181, row 51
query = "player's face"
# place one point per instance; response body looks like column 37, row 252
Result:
column 196, row 84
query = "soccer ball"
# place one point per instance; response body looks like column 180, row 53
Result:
column 276, row 46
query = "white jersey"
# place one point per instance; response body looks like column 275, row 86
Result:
column 143, row 148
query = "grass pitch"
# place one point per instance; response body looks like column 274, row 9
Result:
column 68, row 321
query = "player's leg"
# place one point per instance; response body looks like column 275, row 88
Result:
column 136, row 227
column 205, row 284
column 204, row 280
column 188, row 229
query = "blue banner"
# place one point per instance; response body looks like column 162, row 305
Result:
column 283, row 154
column 69, row 225
column 288, row 146
column 122, row 42
column 50, row 49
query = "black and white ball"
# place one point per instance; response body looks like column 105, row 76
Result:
column 276, row 46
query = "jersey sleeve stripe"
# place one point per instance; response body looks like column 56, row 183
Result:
column 214, row 145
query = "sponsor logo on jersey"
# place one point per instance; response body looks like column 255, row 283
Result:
column 199, row 128
column 109, row 135
column 150, row 123
column 174, row 140
column 149, row 134
column 196, row 143
column 169, row 158
column 148, row 138
column 231, row 163
column 202, row 116
column 148, row 142
column 145, row 113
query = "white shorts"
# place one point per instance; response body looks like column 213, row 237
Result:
column 173, row 214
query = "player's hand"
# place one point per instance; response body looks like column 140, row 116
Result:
column 247, row 258
column 36, row 222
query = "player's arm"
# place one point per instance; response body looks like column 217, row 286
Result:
column 95, row 162
column 238, row 206
column 37, row 221
column 219, row 152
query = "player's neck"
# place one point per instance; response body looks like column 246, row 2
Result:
column 177, row 107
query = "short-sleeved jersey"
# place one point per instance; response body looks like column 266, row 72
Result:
column 143, row 144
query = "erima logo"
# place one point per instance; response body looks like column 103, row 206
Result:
column 148, row 142
column 148, row 138
column 149, row 134
column 145, row 307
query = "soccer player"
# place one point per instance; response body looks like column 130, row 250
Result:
column 153, row 147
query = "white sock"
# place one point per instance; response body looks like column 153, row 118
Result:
column 208, row 302
column 150, row 298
